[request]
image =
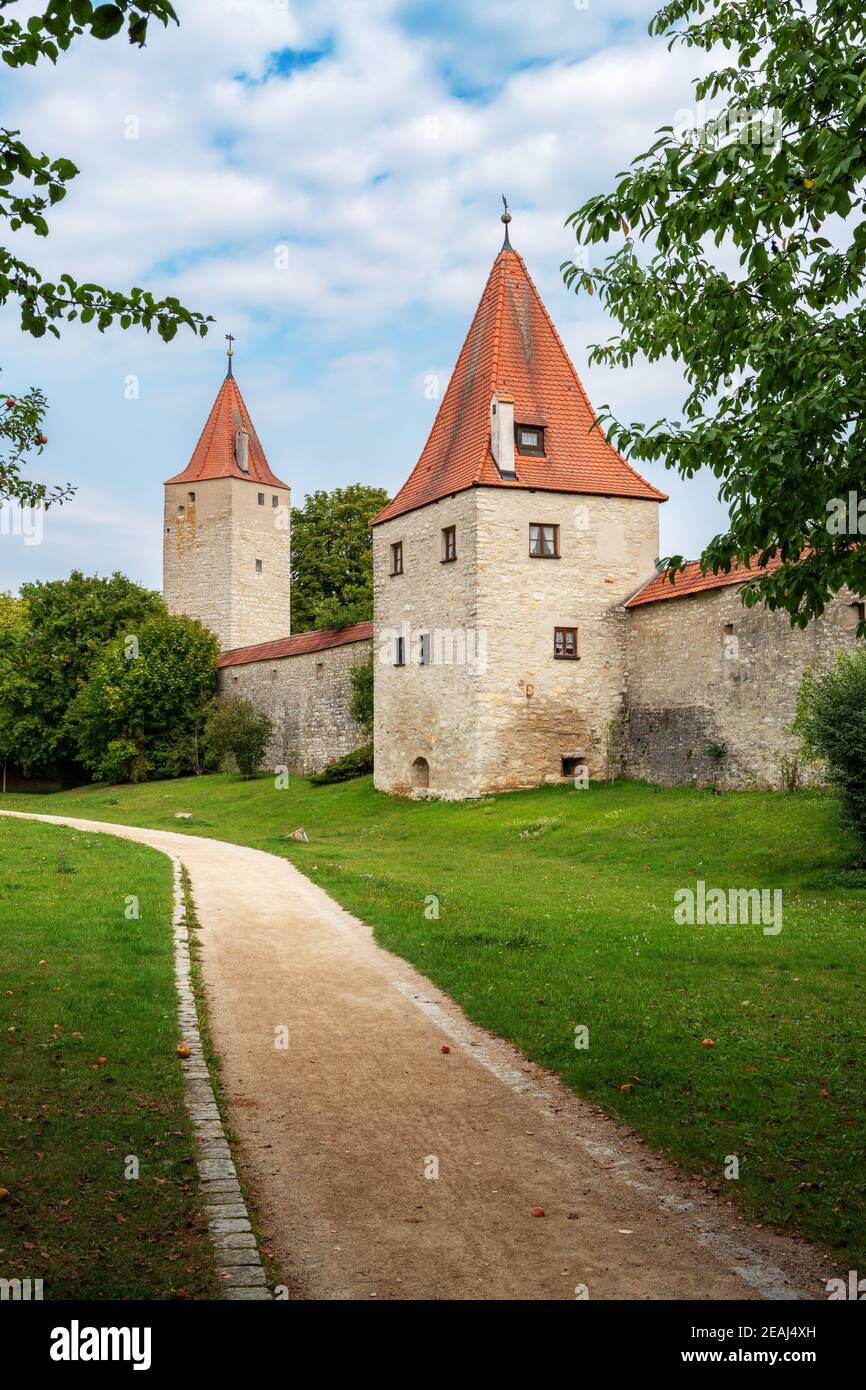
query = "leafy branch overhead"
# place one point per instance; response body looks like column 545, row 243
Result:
column 739, row 250
column 33, row 183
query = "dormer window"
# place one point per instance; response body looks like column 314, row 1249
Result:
column 529, row 439
column 242, row 450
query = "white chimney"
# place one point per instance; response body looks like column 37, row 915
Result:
column 502, row 431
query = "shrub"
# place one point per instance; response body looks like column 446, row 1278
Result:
column 235, row 728
column 361, row 708
column 831, row 720
column 356, row 764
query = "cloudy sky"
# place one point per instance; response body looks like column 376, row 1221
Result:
column 324, row 178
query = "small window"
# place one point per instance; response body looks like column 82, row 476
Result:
column 320, row 670
column 275, row 501
column 261, row 499
column 274, row 674
column 397, row 558
column 565, row 643
column 420, row 773
column 449, row 543
column 572, row 766
column 181, row 511
column 729, row 629
column 190, row 497
column 529, row 439
column 852, row 615
column 424, row 649
column 544, row 541
column 400, row 651
column 258, row 566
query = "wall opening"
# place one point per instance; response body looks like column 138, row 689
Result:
column 571, row 766
column 420, row 773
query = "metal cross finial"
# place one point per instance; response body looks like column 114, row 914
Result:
column 230, row 338
column 506, row 218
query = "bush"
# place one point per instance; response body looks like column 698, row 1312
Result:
column 361, row 708
column 356, row 764
column 235, row 728
column 831, row 720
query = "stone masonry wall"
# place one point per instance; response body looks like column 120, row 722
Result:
column 534, row 710
column 308, row 698
column 705, row 673
column 426, row 711
column 508, row 718
column 213, row 533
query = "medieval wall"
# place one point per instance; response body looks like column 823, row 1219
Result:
column 308, row 698
column 503, row 712
column 712, row 687
column 426, row 712
column 213, row 534
column 533, row 709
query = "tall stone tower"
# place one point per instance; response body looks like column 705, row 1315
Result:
column 226, row 535
column 501, row 568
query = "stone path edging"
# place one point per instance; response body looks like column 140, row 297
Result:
column 239, row 1264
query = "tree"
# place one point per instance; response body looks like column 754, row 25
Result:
column 753, row 280
column 831, row 719
column 13, row 627
column 145, row 700
column 68, row 622
column 332, row 557
column 31, row 184
column 361, row 707
column 236, row 729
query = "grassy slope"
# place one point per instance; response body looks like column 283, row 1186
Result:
column 67, row 1122
column 556, row 909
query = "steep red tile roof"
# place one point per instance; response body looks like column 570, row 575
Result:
column 214, row 454
column 513, row 346
column 298, row 645
column 691, row 581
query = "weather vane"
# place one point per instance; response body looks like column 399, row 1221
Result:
column 230, row 338
column 506, row 218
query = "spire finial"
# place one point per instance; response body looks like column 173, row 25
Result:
column 230, row 338
column 506, row 218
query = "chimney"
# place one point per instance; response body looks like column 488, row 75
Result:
column 502, row 432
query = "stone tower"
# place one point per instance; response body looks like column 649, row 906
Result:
column 226, row 535
column 501, row 568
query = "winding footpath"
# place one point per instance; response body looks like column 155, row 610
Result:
column 396, row 1151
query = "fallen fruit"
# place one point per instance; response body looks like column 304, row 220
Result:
column 4, row 1193
column 445, row 1048
column 182, row 1050
column 538, row 1211
column 100, row 1061
column 708, row 1042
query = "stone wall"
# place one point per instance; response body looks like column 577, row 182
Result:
column 426, row 711
column 308, row 698
column 509, row 717
column 213, row 534
column 707, row 677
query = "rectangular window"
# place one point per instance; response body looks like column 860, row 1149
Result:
column 258, row 566
column 565, row 643
column 400, row 651
column 261, row 499
column 529, row 439
column 275, row 501
column 397, row 559
column 449, row 543
column 544, row 541
column 424, row 649
column 190, row 497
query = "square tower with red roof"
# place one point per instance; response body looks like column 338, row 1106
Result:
column 501, row 568
column 226, row 533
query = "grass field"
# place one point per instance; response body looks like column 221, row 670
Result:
column 556, row 911
column 90, row 1076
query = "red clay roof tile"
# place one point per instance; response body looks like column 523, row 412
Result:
column 214, row 454
column 692, row 581
column 296, row 646
column 512, row 346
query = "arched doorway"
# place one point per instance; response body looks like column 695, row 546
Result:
column 420, row 774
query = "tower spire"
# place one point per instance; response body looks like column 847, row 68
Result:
column 506, row 218
column 230, row 338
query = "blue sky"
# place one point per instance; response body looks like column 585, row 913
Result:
column 324, row 178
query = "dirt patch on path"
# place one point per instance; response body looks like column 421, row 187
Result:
column 338, row 1128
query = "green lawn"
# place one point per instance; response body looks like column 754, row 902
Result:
column 556, row 910
column 80, row 982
